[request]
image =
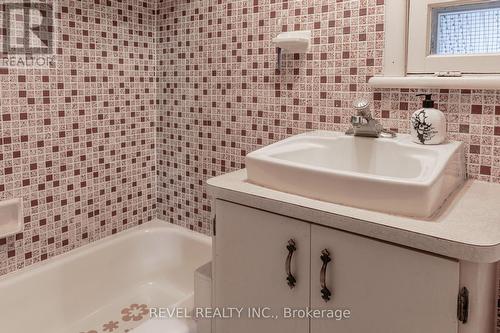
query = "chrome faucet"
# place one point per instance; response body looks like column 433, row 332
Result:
column 363, row 124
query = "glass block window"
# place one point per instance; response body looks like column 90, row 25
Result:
column 466, row 29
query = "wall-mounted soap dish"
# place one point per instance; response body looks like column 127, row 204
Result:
column 292, row 42
column 11, row 217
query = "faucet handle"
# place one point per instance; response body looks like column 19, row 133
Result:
column 362, row 107
column 361, row 103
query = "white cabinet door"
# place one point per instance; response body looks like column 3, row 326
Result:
column 250, row 255
column 388, row 289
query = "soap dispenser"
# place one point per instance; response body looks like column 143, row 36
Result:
column 428, row 125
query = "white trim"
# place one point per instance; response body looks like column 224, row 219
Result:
column 465, row 82
column 396, row 19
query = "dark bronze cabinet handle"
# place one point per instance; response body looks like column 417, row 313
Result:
column 289, row 276
column 325, row 292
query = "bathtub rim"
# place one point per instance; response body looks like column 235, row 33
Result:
column 145, row 228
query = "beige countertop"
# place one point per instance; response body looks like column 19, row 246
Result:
column 467, row 227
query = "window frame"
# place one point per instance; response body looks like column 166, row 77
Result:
column 394, row 72
column 439, row 10
column 419, row 57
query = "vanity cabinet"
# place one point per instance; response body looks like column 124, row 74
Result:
column 250, row 255
column 386, row 288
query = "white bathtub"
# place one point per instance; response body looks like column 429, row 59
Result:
column 105, row 286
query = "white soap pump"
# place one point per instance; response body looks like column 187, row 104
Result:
column 428, row 125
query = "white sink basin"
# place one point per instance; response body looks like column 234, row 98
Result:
column 390, row 175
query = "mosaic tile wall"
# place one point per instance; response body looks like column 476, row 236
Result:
column 77, row 141
column 221, row 96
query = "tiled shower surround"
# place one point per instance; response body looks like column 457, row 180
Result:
column 77, row 141
column 79, row 144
